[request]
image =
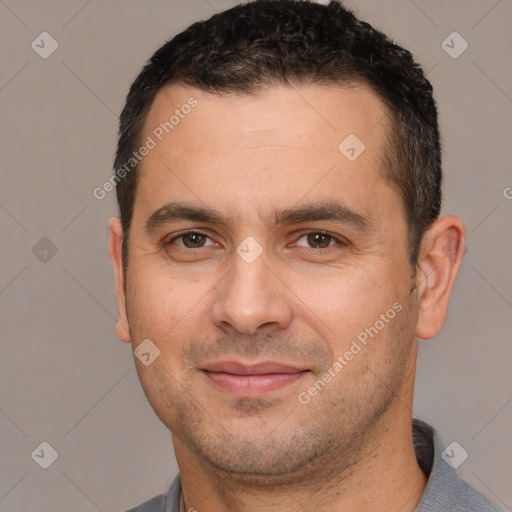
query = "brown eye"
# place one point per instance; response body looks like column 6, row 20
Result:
column 193, row 240
column 190, row 240
column 318, row 240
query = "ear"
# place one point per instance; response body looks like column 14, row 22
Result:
column 116, row 256
column 441, row 255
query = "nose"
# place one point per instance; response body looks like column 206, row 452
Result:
column 251, row 299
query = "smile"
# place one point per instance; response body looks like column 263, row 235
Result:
column 251, row 380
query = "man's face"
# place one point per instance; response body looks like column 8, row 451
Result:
column 250, row 309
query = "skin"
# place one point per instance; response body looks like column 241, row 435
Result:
column 350, row 447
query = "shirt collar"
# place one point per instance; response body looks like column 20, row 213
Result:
column 442, row 492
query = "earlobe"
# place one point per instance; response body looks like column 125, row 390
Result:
column 116, row 256
column 441, row 256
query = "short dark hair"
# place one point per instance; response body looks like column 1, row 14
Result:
column 269, row 42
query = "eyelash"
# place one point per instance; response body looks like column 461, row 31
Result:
column 302, row 234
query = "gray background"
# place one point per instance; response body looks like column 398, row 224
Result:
column 66, row 379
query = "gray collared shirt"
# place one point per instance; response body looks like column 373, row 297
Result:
column 445, row 491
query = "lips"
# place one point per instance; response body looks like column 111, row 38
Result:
column 246, row 380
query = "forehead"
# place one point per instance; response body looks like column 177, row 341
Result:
column 323, row 111
column 279, row 145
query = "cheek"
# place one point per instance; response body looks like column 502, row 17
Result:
column 349, row 300
column 162, row 307
column 360, row 304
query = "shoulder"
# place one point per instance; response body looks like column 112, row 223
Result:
column 156, row 504
column 445, row 491
column 474, row 501
column 169, row 502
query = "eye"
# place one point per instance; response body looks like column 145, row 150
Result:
column 191, row 240
column 319, row 240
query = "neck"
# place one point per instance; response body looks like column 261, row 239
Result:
column 381, row 473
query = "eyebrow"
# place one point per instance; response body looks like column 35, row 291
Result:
column 320, row 210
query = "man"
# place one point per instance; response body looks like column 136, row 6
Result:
column 278, row 253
